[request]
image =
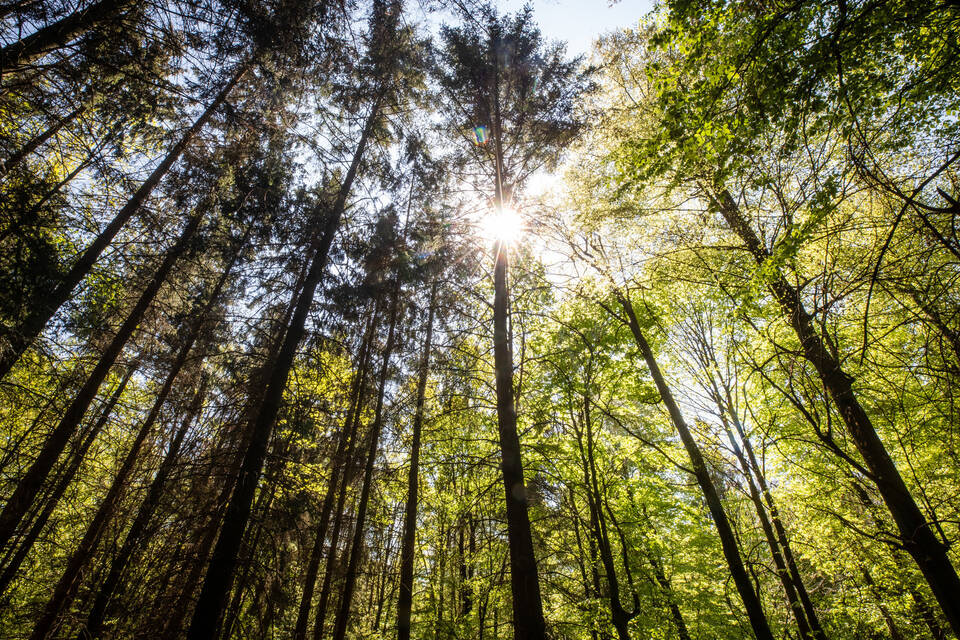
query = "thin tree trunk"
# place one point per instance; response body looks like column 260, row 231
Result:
column 134, row 537
column 619, row 617
column 405, row 600
column 22, row 336
column 664, row 582
column 917, row 536
column 728, row 542
column 338, row 462
column 98, row 612
column 346, row 596
column 219, row 577
column 895, row 633
column 66, row 587
column 60, row 33
column 63, row 481
column 798, row 583
column 33, row 144
column 30, row 484
column 796, row 608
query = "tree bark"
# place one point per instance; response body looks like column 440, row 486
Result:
column 728, row 542
column 63, row 481
column 786, row 580
column 100, row 608
column 407, row 548
column 60, row 33
column 66, row 587
column 30, row 484
column 220, row 572
column 33, row 144
column 346, row 596
column 917, row 536
column 134, row 537
column 339, row 460
column 21, row 337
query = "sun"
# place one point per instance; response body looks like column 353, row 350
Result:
column 502, row 225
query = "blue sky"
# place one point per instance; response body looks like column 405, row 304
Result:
column 580, row 22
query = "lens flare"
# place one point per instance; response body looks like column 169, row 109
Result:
column 480, row 135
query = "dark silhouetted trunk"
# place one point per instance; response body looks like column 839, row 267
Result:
column 350, row 578
column 135, row 535
column 664, row 583
column 405, row 599
column 98, row 612
column 339, row 460
column 60, row 33
column 619, row 616
column 916, row 534
column 798, row 583
column 728, row 541
column 22, row 336
column 66, row 587
column 33, row 144
column 525, row 584
column 772, row 543
column 63, row 481
column 220, row 573
column 31, row 482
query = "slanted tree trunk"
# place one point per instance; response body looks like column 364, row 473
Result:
column 728, row 541
column 798, row 583
column 134, row 537
column 34, row 143
column 66, row 587
column 338, row 461
column 619, row 616
column 407, row 547
column 22, row 336
column 31, row 482
column 60, row 33
column 99, row 610
column 63, row 481
column 796, row 608
column 346, row 475
column 350, row 578
column 219, row 576
column 664, row 583
column 916, row 534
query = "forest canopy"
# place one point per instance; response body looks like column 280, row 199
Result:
column 396, row 319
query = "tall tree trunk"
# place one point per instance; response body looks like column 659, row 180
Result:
column 917, row 536
column 524, row 581
column 528, row 622
column 66, row 587
column 349, row 468
column 619, row 616
column 99, row 610
column 664, row 583
column 350, row 579
column 338, row 463
column 60, row 33
column 728, row 542
column 407, row 547
column 63, row 481
column 22, row 336
column 134, row 537
column 34, row 143
column 777, row 522
column 786, row 580
column 219, row 577
column 30, row 484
